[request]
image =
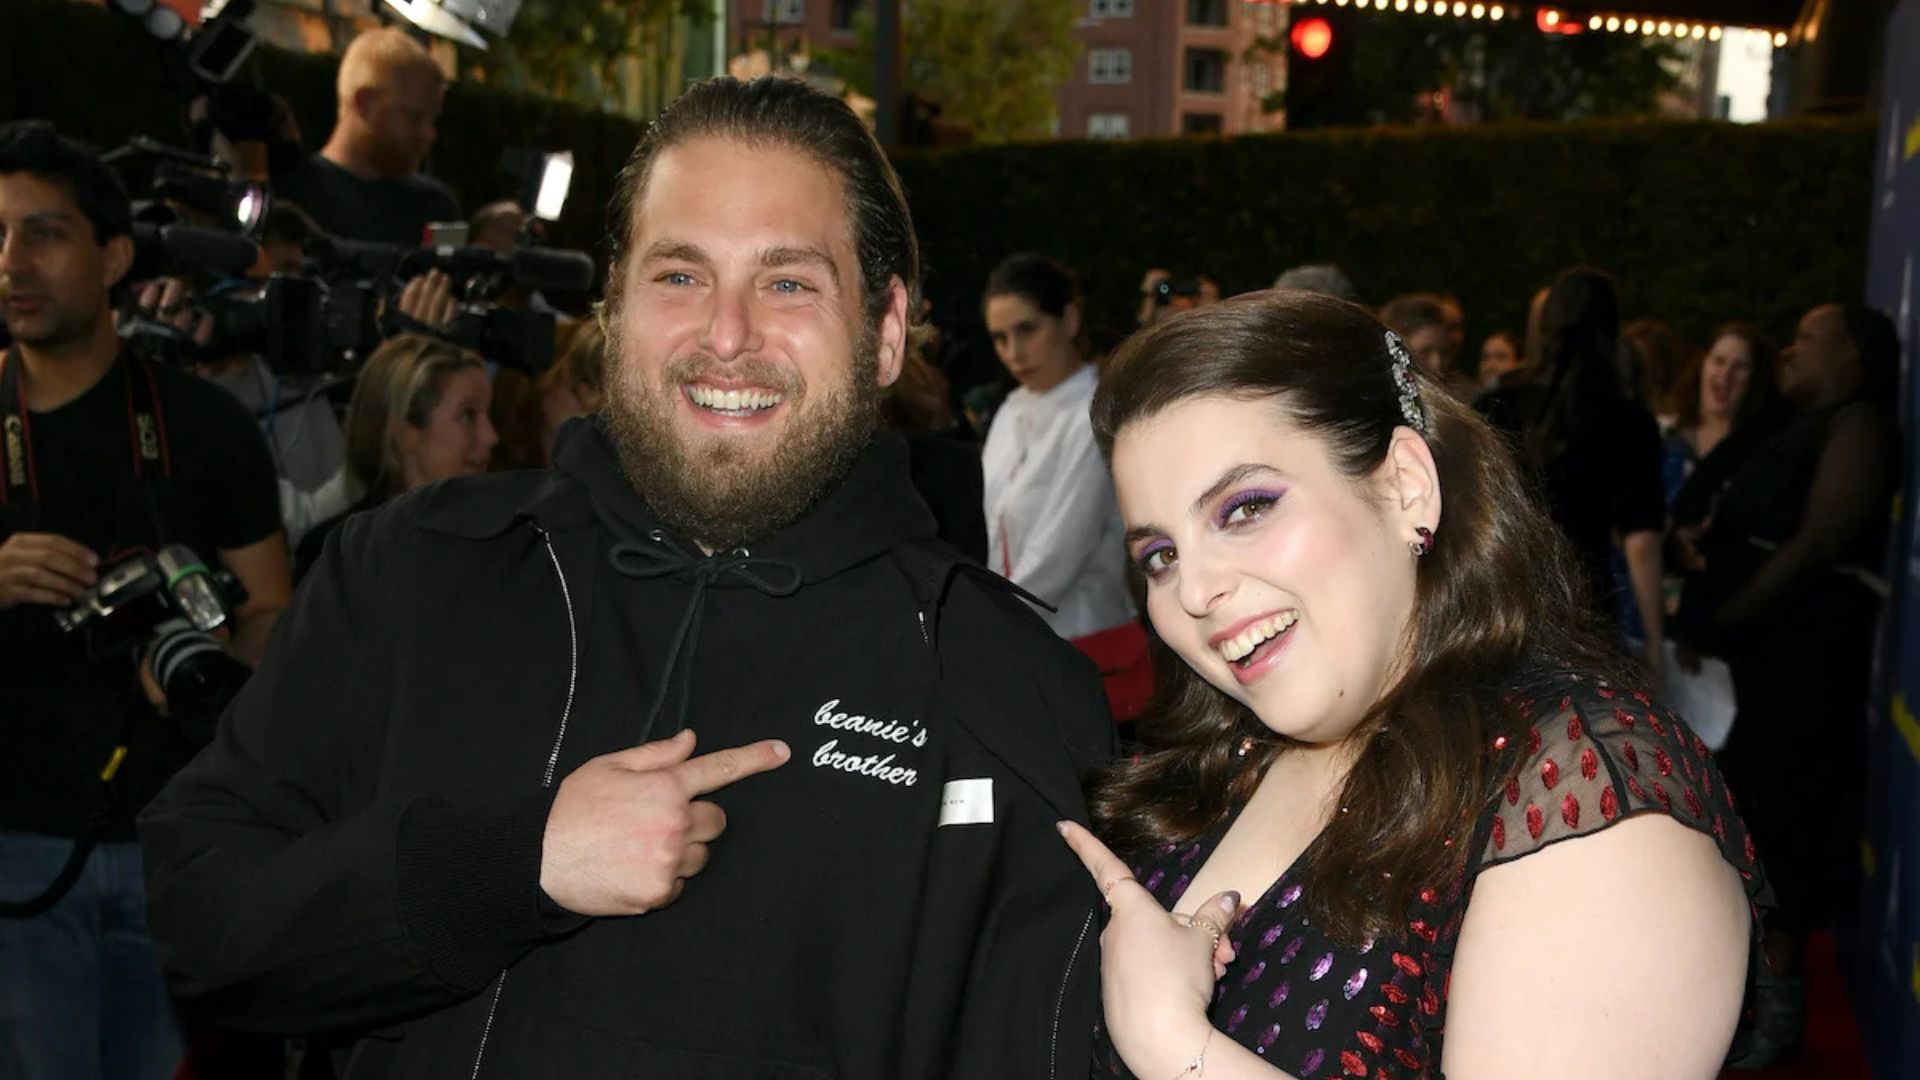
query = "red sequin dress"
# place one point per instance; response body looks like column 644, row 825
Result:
column 1595, row 755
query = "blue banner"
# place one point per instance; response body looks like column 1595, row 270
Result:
column 1885, row 960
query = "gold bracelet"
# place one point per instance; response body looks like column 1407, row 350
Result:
column 1197, row 1068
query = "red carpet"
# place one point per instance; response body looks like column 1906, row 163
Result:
column 1832, row 1049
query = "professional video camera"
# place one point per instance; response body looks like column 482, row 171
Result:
column 166, row 607
column 214, row 50
column 518, row 338
column 196, row 222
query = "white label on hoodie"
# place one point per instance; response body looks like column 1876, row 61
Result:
column 967, row 802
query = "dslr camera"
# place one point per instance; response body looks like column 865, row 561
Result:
column 166, row 607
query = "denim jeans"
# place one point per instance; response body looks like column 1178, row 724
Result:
column 80, row 990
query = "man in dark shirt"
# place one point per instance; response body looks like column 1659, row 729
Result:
column 104, row 455
column 366, row 183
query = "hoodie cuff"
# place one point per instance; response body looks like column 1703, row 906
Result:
column 468, row 886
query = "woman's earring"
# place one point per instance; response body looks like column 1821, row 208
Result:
column 1422, row 546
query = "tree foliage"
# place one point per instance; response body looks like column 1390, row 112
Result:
column 994, row 67
column 613, row 55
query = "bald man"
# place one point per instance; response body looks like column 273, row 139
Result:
column 366, row 183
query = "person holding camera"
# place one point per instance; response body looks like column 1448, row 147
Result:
column 105, row 457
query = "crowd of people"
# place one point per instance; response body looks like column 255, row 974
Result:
column 1277, row 692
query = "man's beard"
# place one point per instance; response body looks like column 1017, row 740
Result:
column 725, row 496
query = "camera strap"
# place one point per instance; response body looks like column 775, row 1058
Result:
column 149, row 451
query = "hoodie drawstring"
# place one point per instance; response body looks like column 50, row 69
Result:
column 663, row 558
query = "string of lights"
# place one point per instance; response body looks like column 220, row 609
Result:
column 1550, row 20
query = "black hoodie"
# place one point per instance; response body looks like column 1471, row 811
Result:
column 359, row 850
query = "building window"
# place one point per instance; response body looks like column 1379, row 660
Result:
column 1117, row 125
column 840, row 19
column 786, row 12
column 1202, row 123
column 1110, row 67
column 1206, row 71
column 1206, row 12
column 1110, row 9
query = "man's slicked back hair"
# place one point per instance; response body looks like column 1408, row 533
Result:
column 778, row 111
column 35, row 148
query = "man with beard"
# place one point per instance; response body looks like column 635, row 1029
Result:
column 458, row 818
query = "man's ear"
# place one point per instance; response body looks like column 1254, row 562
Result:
column 366, row 101
column 1410, row 480
column 119, row 259
column 894, row 333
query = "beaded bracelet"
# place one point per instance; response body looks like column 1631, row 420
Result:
column 1198, row 1066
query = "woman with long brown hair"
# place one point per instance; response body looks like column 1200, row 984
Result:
column 1403, row 810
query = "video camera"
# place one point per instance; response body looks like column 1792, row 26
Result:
column 166, row 607
column 515, row 337
column 197, row 222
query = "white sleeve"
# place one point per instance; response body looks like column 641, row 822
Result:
column 1052, row 523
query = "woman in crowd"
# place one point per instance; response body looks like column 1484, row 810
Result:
column 1652, row 363
column 1727, row 388
column 418, row 414
column 1500, row 355
column 1784, row 586
column 1427, row 322
column 1592, row 449
column 1052, row 527
column 573, row 386
column 1401, row 815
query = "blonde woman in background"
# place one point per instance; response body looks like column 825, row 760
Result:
column 418, row 414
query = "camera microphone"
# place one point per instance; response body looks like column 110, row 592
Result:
column 556, row 269
column 211, row 250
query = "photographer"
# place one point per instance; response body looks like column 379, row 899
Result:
column 365, row 184
column 105, row 456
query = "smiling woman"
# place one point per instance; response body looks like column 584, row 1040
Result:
column 1386, row 707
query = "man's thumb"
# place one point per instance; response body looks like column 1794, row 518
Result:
column 656, row 755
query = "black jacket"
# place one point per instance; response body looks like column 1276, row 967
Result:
column 358, row 852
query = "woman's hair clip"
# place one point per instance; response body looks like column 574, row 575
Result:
column 1403, row 380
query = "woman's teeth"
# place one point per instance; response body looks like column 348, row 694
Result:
column 733, row 400
column 1241, row 646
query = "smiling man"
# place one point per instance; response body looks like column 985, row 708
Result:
column 460, row 819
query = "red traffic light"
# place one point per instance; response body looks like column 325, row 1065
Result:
column 1555, row 21
column 1311, row 37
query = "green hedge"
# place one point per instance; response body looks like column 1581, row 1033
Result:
column 1702, row 222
